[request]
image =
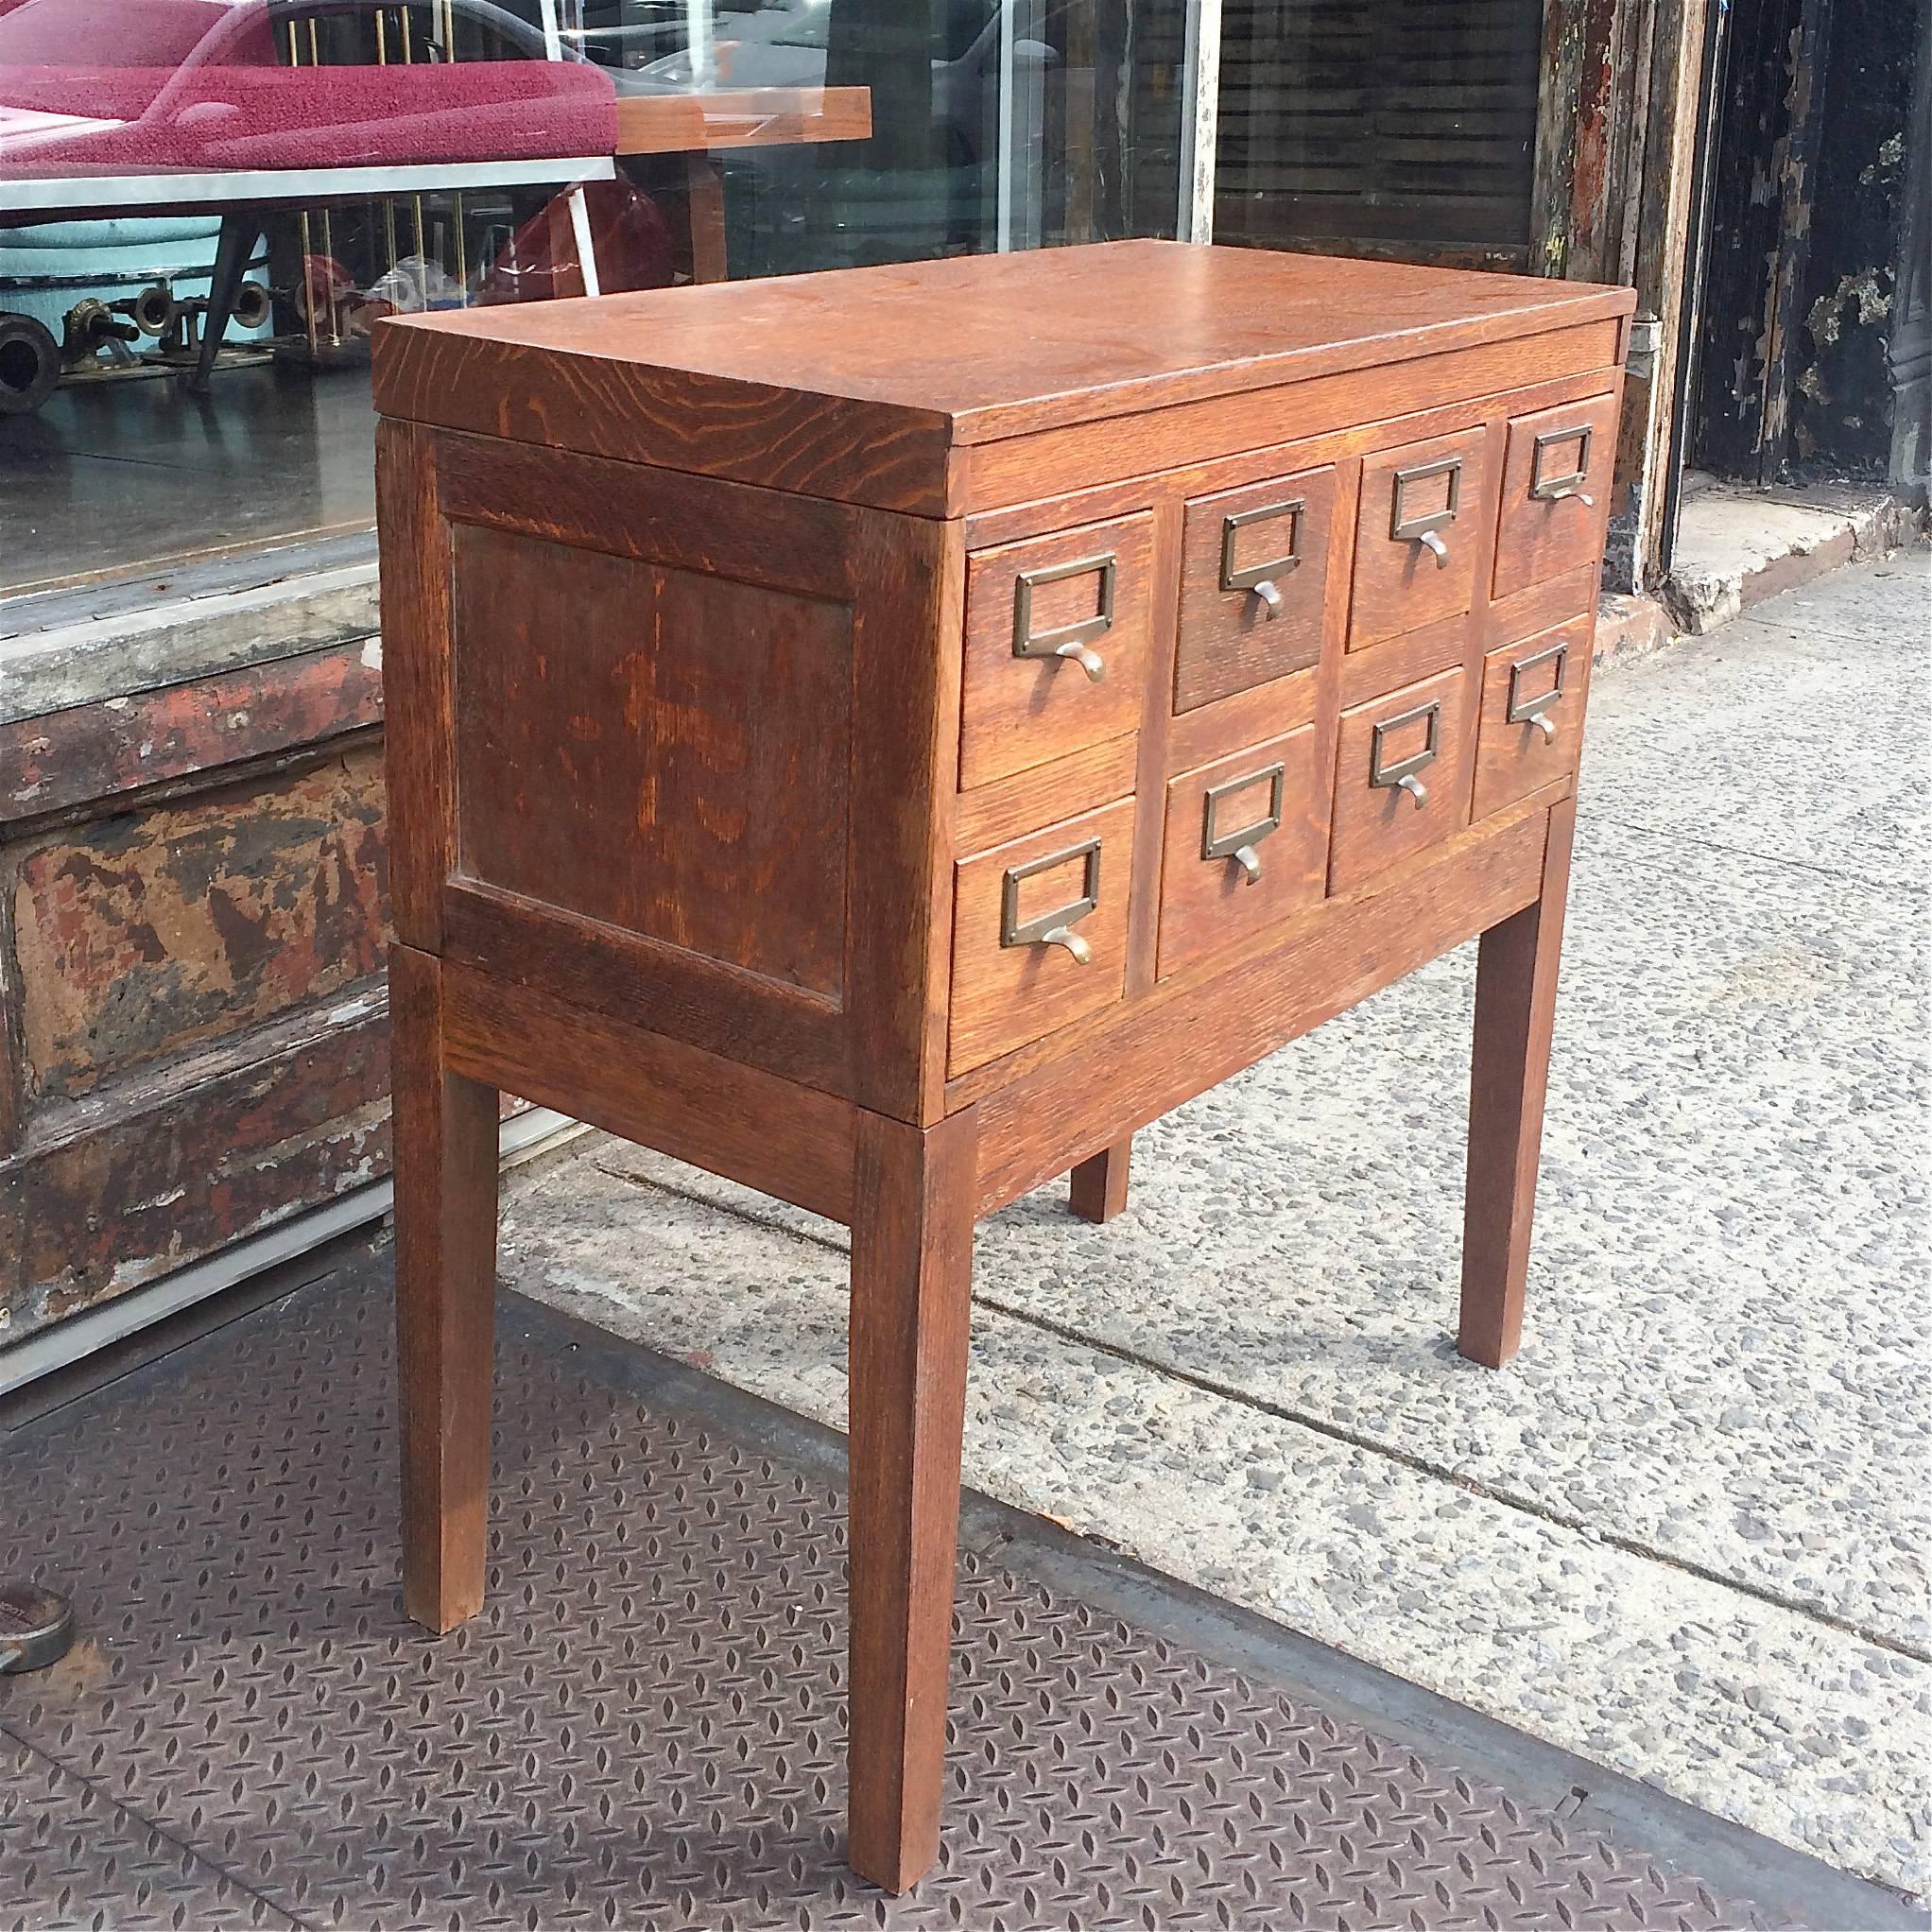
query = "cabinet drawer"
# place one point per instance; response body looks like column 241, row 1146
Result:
column 1056, row 646
column 1395, row 781
column 1254, row 578
column 1038, row 934
column 1556, row 492
column 1420, row 526
column 1246, row 842
column 1533, row 714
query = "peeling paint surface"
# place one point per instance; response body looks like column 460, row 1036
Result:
column 140, row 935
column 231, row 1152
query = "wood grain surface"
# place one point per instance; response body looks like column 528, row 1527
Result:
column 1516, row 1013
column 699, row 1107
column 727, row 117
column 1113, row 1074
column 1229, row 641
column 1096, row 1187
column 610, row 764
column 1514, row 760
column 1207, row 904
column 1005, row 996
column 445, row 1177
column 1377, row 826
column 419, row 681
column 1539, row 538
column 911, row 1299
column 861, row 383
column 1017, row 712
column 1399, row 584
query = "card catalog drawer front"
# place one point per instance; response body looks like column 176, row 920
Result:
column 1424, row 518
column 1533, row 714
column 1254, row 577
column 1395, row 785
column 1038, row 934
column 1556, row 492
column 1245, row 844
column 1056, row 646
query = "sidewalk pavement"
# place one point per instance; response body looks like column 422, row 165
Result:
column 1686, row 1534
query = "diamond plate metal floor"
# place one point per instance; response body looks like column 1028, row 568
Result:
column 644, row 1728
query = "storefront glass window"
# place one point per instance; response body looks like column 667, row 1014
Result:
column 205, row 205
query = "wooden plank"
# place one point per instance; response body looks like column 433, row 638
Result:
column 742, row 117
column 662, row 750
column 771, row 380
column 169, row 1164
column 420, row 761
column 1200, row 736
column 765, row 1023
column 1206, row 477
column 739, row 531
column 1155, row 722
column 911, row 1297
column 1515, row 1014
column 1066, row 459
column 140, row 935
column 1560, row 96
column 783, row 1139
column 1042, row 1111
column 851, row 449
column 13, row 1096
column 1522, row 614
column 1367, row 674
column 66, row 759
column 1093, row 776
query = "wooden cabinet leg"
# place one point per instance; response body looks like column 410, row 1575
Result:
column 445, row 1140
column 911, row 1296
column 1515, row 1011
column 1096, row 1190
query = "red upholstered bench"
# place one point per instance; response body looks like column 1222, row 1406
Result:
column 112, row 107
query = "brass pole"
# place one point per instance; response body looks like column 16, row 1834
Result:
column 381, row 60
column 308, row 281
column 314, row 60
column 409, row 60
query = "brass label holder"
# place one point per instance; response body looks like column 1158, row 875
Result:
column 1559, row 489
column 1236, row 578
column 1404, row 774
column 1406, row 526
column 1053, row 928
column 1239, row 844
column 1535, row 710
column 1074, row 640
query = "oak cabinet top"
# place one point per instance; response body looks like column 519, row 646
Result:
column 867, row 385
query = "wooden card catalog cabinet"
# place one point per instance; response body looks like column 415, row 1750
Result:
column 886, row 736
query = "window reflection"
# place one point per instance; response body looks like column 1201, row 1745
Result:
column 207, row 205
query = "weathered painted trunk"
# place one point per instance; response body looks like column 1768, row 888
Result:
column 192, row 924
